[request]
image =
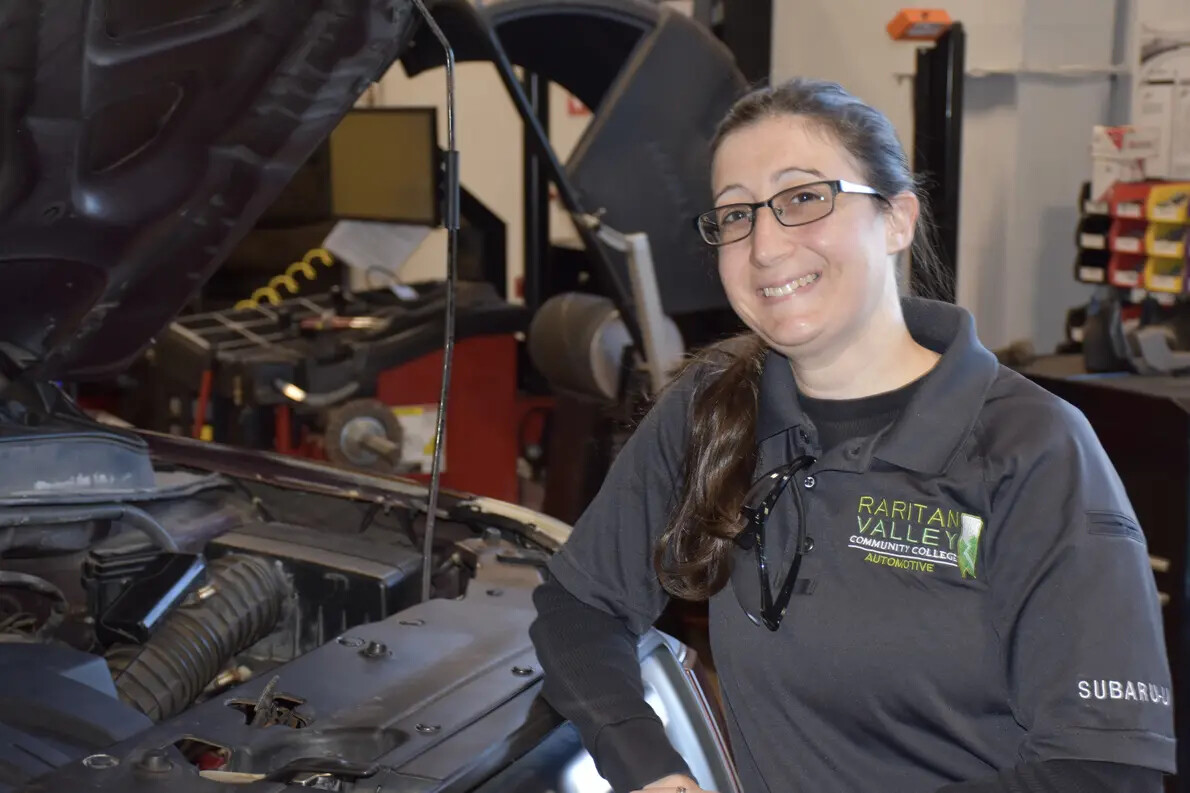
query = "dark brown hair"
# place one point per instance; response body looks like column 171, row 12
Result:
column 720, row 460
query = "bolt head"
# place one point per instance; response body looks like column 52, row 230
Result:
column 101, row 761
column 375, row 649
column 156, row 761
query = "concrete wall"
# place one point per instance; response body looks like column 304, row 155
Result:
column 1025, row 134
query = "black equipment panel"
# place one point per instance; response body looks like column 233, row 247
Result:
column 249, row 350
column 645, row 157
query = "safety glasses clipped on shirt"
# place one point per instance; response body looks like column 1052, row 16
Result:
column 751, row 567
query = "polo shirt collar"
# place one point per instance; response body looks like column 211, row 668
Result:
column 941, row 413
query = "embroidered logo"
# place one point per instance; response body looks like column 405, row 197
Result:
column 969, row 543
column 917, row 537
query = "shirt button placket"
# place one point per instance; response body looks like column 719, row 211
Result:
column 809, row 482
column 807, row 442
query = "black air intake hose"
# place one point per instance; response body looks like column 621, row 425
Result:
column 165, row 675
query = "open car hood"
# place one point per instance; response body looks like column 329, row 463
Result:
column 140, row 141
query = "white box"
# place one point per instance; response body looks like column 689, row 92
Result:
column 1179, row 151
column 1161, row 88
column 1154, row 109
column 1133, row 142
column 1106, row 171
column 1119, row 154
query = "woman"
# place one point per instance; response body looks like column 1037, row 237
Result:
column 957, row 596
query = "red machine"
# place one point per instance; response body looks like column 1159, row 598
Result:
column 355, row 379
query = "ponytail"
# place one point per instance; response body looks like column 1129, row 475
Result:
column 720, row 458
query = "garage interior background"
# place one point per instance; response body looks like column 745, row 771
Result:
column 1039, row 77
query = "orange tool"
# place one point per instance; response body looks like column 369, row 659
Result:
column 919, row 24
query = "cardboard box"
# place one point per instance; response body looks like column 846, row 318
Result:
column 1154, row 110
column 1118, row 154
column 1179, row 153
column 1161, row 90
column 1107, row 171
column 1129, row 142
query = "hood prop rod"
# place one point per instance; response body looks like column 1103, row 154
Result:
column 452, row 252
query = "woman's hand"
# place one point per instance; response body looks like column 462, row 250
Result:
column 675, row 783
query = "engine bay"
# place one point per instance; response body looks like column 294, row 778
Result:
column 187, row 625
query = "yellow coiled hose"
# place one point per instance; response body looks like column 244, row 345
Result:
column 272, row 294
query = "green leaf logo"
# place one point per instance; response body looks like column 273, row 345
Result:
column 972, row 527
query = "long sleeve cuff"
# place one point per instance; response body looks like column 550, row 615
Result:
column 635, row 753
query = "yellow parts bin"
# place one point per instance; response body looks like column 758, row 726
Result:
column 1169, row 203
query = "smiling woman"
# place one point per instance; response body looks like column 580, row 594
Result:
column 895, row 533
column 812, row 272
column 817, row 278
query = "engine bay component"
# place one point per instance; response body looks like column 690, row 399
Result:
column 59, row 705
column 449, row 668
column 441, row 696
column 111, row 567
column 144, row 605
column 165, row 675
column 13, row 627
column 341, row 580
column 135, row 517
column 50, row 447
column 364, row 434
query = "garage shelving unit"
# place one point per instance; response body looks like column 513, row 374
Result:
column 1136, row 238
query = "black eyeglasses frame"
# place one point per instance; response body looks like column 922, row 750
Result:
column 752, row 536
column 836, row 186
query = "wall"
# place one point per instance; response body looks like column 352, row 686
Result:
column 1025, row 134
column 1055, row 115
column 845, row 40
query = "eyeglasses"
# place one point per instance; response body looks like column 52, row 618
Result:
column 796, row 206
column 750, row 566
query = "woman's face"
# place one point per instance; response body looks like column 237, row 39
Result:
column 810, row 287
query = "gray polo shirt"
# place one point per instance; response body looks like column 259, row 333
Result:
column 979, row 592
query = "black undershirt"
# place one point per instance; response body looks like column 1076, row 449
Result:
column 591, row 667
column 840, row 420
